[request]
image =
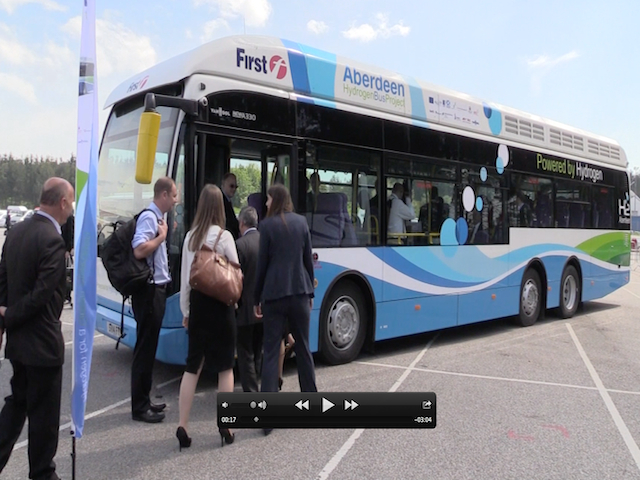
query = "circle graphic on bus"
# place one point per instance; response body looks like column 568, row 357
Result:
column 448, row 232
column 503, row 153
column 479, row 204
column 278, row 65
column 495, row 119
column 483, row 174
column 462, row 231
column 468, row 198
column 499, row 165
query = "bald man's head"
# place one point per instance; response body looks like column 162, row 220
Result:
column 57, row 198
column 53, row 190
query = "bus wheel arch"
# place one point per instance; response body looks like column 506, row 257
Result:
column 533, row 294
column 570, row 288
column 349, row 300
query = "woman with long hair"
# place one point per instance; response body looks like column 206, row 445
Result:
column 210, row 323
column 284, row 288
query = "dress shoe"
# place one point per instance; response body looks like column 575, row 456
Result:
column 148, row 417
column 267, row 431
column 157, row 407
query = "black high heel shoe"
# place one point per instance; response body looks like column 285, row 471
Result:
column 183, row 438
column 226, row 436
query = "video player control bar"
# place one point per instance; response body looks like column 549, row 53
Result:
column 327, row 410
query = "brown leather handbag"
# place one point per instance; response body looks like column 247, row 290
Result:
column 215, row 276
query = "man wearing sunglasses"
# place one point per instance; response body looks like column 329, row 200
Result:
column 229, row 188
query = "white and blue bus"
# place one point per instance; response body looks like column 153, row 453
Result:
column 512, row 214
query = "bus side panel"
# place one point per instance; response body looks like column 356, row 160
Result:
column 554, row 266
column 603, row 283
column 172, row 343
column 406, row 317
column 488, row 304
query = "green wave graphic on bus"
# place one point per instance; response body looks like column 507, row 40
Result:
column 612, row 247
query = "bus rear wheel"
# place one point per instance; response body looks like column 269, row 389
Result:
column 530, row 298
column 569, row 292
column 343, row 324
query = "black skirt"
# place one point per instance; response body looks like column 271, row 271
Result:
column 212, row 333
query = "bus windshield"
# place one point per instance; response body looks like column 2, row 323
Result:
column 119, row 195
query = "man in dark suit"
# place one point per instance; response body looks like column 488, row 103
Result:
column 32, row 289
column 250, row 331
column 229, row 187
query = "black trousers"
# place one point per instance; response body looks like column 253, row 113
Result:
column 295, row 312
column 35, row 394
column 249, row 349
column 148, row 309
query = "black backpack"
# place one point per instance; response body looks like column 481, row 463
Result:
column 126, row 273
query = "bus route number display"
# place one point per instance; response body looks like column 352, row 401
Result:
column 327, row 410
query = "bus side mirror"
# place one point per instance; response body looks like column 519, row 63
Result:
column 147, row 144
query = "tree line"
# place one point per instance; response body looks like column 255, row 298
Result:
column 21, row 179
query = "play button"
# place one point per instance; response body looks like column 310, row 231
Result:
column 326, row 405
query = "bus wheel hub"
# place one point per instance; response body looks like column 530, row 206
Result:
column 343, row 323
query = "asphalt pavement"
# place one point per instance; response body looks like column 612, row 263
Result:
column 558, row 400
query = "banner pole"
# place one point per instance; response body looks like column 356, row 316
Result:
column 73, row 455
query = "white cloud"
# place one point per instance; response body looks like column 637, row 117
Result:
column 59, row 55
column 119, row 49
column 11, row 5
column 19, row 86
column 212, row 27
column 317, row 27
column 367, row 33
column 541, row 65
column 546, row 62
column 255, row 12
column 11, row 50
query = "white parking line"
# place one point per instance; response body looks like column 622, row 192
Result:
column 489, row 377
column 106, row 409
column 629, row 291
column 613, row 411
column 337, row 458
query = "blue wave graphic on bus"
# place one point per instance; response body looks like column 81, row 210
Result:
column 440, row 270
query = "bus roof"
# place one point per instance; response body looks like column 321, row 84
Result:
column 323, row 78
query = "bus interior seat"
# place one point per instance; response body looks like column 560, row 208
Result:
column 576, row 215
column 543, row 212
column 562, row 215
column 327, row 221
column 255, row 200
column 349, row 235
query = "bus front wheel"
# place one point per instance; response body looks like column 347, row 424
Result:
column 569, row 292
column 530, row 298
column 343, row 324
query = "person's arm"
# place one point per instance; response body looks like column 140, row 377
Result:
column 263, row 263
column 185, row 272
column 308, row 259
column 3, row 281
column 50, row 270
column 229, row 244
column 148, row 237
column 406, row 211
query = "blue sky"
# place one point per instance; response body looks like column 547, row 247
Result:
column 575, row 62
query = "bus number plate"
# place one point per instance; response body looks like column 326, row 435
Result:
column 113, row 329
